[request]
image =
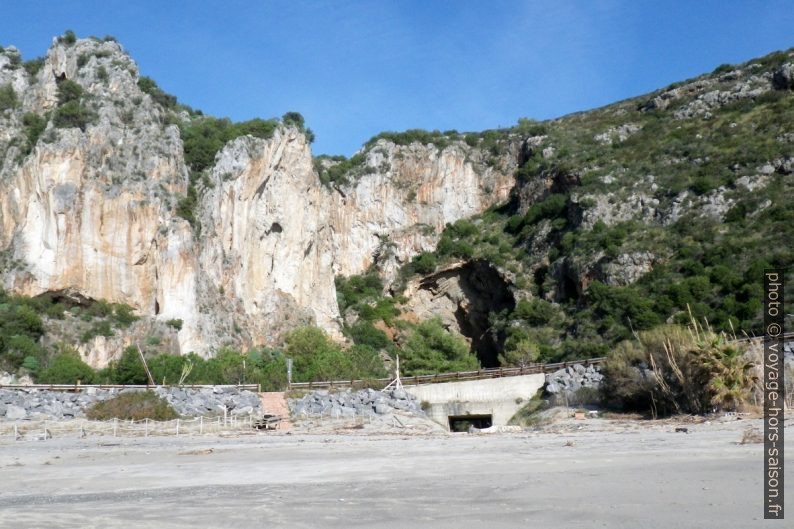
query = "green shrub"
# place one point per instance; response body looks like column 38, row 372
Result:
column 34, row 126
column 17, row 348
column 722, row 68
column 8, row 97
column 365, row 333
column 72, row 115
column 352, row 290
column 530, row 127
column 123, row 315
column 367, row 363
column 128, row 369
column 68, row 37
column 425, row 263
column 536, row 312
column 31, row 364
column 551, row 207
column 293, row 118
column 519, row 352
column 270, row 368
column 341, row 172
column 20, row 330
column 133, row 405
column 316, row 357
column 175, row 323
column 432, row 349
column 423, row 137
column 34, row 66
column 67, row 368
column 167, row 368
column 203, row 137
column 69, row 91
column 149, row 86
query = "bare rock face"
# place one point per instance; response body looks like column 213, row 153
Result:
column 400, row 209
column 627, row 268
column 92, row 210
column 265, row 240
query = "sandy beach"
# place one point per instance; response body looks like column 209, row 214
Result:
column 577, row 474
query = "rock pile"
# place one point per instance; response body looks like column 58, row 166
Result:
column 569, row 380
column 57, row 405
column 367, row 402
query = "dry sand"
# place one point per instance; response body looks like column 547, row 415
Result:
column 593, row 473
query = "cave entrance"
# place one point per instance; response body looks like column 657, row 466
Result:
column 462, row 423
column 486, row 293
column 479, row 291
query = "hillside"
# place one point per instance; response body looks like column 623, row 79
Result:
column 128, row 217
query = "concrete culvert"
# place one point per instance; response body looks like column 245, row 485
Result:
column 462, row 423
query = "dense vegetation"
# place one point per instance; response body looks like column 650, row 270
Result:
column 22, row 327
column 71, row 110
column 22, row 324
column 424, row 347
column 687, row 370
column 713, row 266
column 709, row 267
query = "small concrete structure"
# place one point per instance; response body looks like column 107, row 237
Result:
column 499, row 398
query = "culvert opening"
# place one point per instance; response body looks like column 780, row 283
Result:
column 462, row 423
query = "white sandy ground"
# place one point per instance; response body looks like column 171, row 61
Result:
column 593, row 473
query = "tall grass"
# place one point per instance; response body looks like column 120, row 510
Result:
column 674, row 369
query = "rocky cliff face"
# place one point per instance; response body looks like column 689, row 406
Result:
column 90, row 210
column 400, row 208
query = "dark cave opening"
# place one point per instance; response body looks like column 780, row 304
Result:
column 67, row 298
column 482, row 292
column 569, row 289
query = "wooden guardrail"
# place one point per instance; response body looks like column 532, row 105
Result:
column 480, row 374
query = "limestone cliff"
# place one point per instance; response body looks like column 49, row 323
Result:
column 90, row 208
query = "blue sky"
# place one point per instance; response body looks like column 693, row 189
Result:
column 354, row 69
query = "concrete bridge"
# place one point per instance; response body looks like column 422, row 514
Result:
column 486, row 397
column 483, row 403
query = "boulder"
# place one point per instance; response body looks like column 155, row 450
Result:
column 14, row 412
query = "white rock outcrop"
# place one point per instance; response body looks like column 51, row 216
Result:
column 93, row 212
